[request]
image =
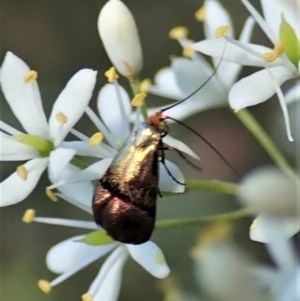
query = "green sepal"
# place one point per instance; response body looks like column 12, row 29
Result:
column 97, row 238
column 289, row 41
column 45, row 147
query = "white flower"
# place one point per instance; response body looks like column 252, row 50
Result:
column 70, row 256
column 114, row 108
column 42, row 143
column 186, row 75
column 120, row 38
column 281, row 26
column 271, row 194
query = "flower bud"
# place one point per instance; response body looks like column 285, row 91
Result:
column 119, row 35
column 269, row 191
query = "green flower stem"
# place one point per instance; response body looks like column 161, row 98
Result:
column 266, row 142
column 135, row 86
column 225, row 217
column 215, row 186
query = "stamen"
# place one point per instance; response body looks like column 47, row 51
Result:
column 131, row 72
column 87, row 297
column 61, row 118
column 96, row 139
column 111, row 74
column 179, row 32
column 222, row 31
column 159, row 258
column 30, row 77
column 22, row 172
column 188, row 51
column 272, row 56
column 200, row 14
column 51, row 195
column 138, row 100
column 145, row 85
column 44, row 286
column 28, row 216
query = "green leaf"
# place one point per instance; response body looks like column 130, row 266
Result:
column 97, row 238
column 289, row 41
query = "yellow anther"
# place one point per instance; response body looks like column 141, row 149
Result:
column 22, row 172
column 96, row 139
column 269, row 56
column 111, row 74
column 51, row 195
column 28, row 216
column 272, row 56
column 159, row 258
column 61, row 118
column 138, row 100
column 254, row 224
column 30, row 77
column 278, row 49
column 44, row 286
column 222, row 31
column 179, row 32
column 200, row 14
column 87, row 297
column 145, row 85
column 188, row 52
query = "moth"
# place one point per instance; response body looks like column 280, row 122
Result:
column 124, row 202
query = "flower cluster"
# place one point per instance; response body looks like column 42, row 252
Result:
column 272, row 194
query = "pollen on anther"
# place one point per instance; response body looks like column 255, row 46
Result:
column 179, row 32
column 87, row 297
column 96, row 139
column 145, row 85
column 30, row 77
column 188, row 52
column 222, row 31
column 51, row 195
column 44, row 286
column 138, row 100
column 200, row 14
column 28, row 216
column 22, row 172
column 278, row 49
column 111, row 74
column 61, row 118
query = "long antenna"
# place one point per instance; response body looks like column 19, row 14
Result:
column 207, row 142
column 199, row 88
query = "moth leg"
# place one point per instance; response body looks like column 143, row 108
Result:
column 159, row 193
column 183, row 157
column 162, row 160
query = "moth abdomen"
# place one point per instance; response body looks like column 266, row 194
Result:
column 123, row 219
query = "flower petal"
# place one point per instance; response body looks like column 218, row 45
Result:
column 14, row 190
column 106, row 285
column 110, row 102
column 12, row 150
column 84, row 149
column 166, row 182
column 82, row 192
column 235, row 54
column 215, row 17
column 93, row 172
column 120, row 38
column 23, row 98
column 273, row 9
column 166, row 85
column 69, row 253
column 257, row 87
column 180, row 146
column 151, row 258
column 58, row 160
column 289, row 225
column 72, row 102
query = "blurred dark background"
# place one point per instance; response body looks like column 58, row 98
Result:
column 57, row 38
